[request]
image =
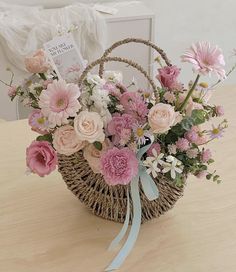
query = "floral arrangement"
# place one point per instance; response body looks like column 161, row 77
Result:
column 109, row 123
column 126, row 135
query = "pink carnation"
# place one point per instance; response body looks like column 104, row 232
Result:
column 168, row 76
column 205, row 59
column 118, row 124
column 182, row 144
column 134, row 105
column 206, row 155
column 41, row 158
column 119, row 166
column 155, row 146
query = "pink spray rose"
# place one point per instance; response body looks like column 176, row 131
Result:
column 118, row 124
column 66, row 141
column 168, row 76
column 37, row 63
column 41, row 158
column 119, row 166
column 93, row 155
column 219, row 111
column 202, row 174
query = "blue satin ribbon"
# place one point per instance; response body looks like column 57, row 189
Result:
column 151, row 191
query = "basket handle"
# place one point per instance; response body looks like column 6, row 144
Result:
column 118, row 59
column 135, row 40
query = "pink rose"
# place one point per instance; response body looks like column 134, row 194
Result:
column 168, row 77
column 119, row 166
column 93, row 155
column 162, row 117
column 37, row 63
column 118, row 124
column 66, row 141
column 41, row 158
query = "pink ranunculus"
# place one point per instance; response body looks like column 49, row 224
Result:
column 41, row 158
column 201, row 138
column 66, row 141
column 38, row 122
column 37, row 63
column 191, row 136
column 206, row 59
column 155, row 146
column 93, row 155
column 168, row 76
column 119, row 123
column 119, row 166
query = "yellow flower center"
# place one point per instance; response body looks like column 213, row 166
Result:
column 203, row 85
column 60, row 102
column 140, row 132
column 41, row 120
column 215, row 131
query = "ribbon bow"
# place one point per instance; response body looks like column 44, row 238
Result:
column 151, row 191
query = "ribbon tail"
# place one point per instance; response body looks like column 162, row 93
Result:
column 123, row 231
column 136, row 222
column 149, row 187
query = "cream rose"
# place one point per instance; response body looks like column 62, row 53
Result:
column 89, row 127
column 162, row 117
column 92, row 155
column 66, row 141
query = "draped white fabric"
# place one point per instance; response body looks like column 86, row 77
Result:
column 24, row 29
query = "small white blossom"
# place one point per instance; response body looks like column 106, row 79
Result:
column 100, row 97
column 95, row 79
column 172, row 149
column 151, row 167
column 113, row 76
column 173, row 166
column 152, row 163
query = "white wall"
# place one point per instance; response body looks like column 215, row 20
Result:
column 181, row 22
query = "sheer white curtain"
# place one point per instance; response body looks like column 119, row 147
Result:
column 24, row 29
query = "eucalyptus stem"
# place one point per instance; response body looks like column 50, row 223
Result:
column 189, row 93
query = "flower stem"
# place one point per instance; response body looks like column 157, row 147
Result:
column 42, row 75
column 189, row 93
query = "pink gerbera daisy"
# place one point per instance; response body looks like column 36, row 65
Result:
column 205, row 59
column 59, row 102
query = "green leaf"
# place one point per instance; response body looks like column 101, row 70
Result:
column 46, row 137
column 198, row 117
column 98, row 145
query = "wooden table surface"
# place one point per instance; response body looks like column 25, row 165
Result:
column 44, row 228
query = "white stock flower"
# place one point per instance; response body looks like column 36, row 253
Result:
column 95, row 79
column 113, row 76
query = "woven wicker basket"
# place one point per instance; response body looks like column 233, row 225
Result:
column 110, row 202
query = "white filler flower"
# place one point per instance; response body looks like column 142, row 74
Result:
column 173, row 166
column 152, row 163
